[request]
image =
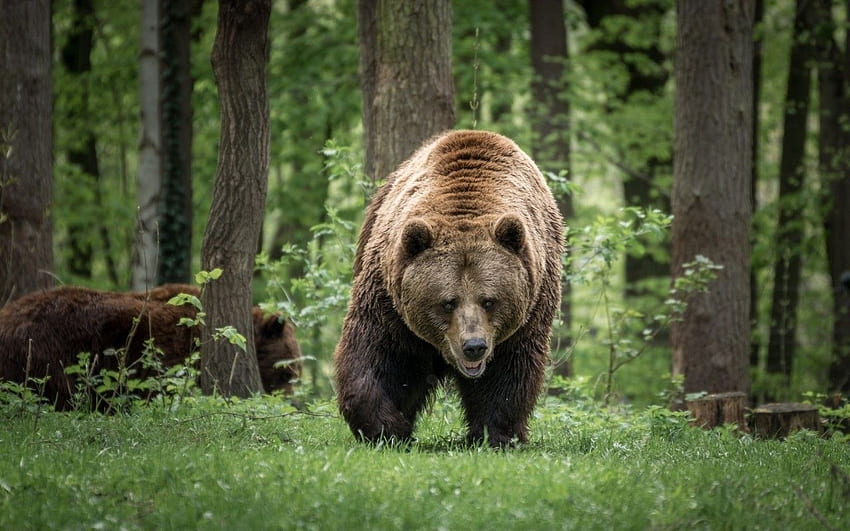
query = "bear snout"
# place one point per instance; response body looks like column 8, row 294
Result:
column 474, row 349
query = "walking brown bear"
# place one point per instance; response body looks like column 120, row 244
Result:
column 42, row 333
column 457, row 274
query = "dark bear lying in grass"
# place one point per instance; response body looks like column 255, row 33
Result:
column 42, row 333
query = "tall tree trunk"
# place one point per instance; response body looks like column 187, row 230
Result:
column 551, row 119
column 406, row 78
column 834, row 166
column 635, row 54
column 149, row 183
column 76, row 58
column 789, row 230
column 501, row 105
column 26, row 148
column 175, row 204
column 755, row 346
column 306, row 210
column 711, row 189
column 240, row 58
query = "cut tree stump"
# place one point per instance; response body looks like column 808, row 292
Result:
column 776, row 421
column 717, row 409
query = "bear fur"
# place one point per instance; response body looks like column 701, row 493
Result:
column 42, row 333
column 457, row 275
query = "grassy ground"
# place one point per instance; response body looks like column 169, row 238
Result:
column 258, row 464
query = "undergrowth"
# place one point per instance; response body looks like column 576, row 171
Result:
column 278, row 463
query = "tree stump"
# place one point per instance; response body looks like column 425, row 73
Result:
column 718, row 409
column 776, row 421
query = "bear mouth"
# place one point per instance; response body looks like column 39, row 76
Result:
column 471, row 369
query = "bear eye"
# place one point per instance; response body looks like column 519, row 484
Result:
column 488, row 304
column 449, row 305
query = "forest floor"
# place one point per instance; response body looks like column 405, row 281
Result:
column 204, row 463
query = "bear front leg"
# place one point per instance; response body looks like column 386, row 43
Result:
column 498, row 404
column 369, row 410
column 380, row 388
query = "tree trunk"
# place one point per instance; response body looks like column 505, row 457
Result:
column 26, row 148
column 501, row 106
column 789, row 230
column 145, row 255
column 755, row 346
column 76, row 58
column 711, row 190
column 406, row 78
column 175, row 204
column 635, row 55
column 300, row 213
column 551, row 123
column 240, row 58
column 713, row 411
column 834, row 166
column 776, row 421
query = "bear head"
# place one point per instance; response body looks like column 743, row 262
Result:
column 278, row 352
column 466, row 289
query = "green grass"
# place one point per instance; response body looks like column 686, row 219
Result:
column 259, row 464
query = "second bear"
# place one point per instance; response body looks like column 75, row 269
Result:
column 42, row 333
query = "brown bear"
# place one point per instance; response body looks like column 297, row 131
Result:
column 278, row 351
column 42, row 333
column 457, row 273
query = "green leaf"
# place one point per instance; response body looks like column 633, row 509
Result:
column 185, row 298
column 233, row 336
column 205, row 277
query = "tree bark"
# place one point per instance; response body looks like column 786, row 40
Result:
column 776, row 421
column 711, row 190
column 175, row 204
column 551, row 123
column 240, row 58
column 26, row 148
column 149, row 183
column 406, row 78
column 715, row 410
column 789, row 230
column 834, row 167
column 755, row 345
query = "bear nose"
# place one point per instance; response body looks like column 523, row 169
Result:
column 474, row 349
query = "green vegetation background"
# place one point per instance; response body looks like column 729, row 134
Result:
column 265, row 464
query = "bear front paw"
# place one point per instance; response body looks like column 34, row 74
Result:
column 496, row 438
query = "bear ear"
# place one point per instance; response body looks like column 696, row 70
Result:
column 416, row 237
column 272, row 326
column 510, row 233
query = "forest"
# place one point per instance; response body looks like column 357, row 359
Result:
column 704, row 178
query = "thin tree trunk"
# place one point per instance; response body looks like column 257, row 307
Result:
column 502, row 100
column 635, row 55
column 711, row 189
column 302, row 212
column 240, row 58
column 755, row 346
column 76, row 58
column 789, row 230
column 406, row 78
column 834, row 166
column 26, row 148
column 551, row 122
column 145, row 255
column 175, row 205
